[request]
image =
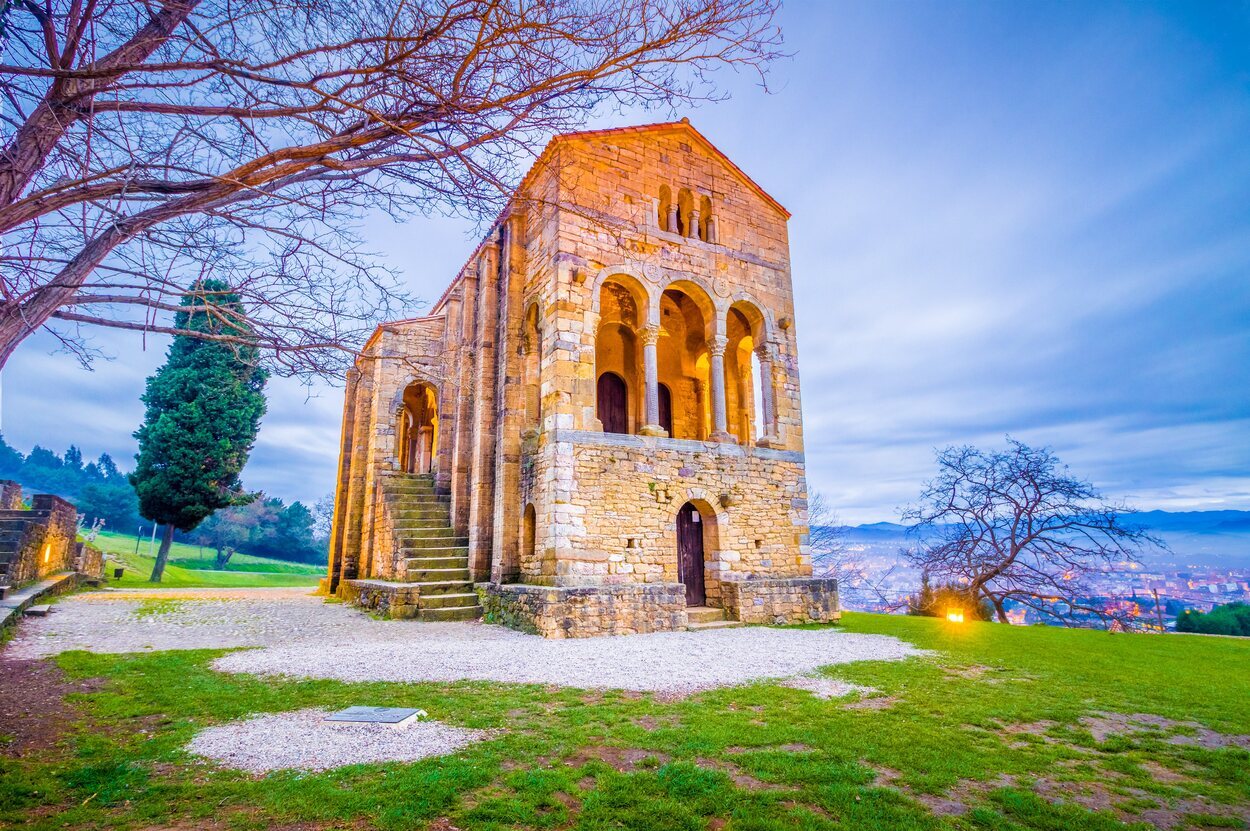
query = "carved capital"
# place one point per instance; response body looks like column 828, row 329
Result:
column 718, row 344
column 649, row 335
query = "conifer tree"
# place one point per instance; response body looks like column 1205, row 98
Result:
column 203, row 410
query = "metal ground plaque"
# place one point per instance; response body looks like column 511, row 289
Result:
column 375, row 715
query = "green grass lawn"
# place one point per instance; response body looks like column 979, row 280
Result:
column 188, row 568
column 991, row 732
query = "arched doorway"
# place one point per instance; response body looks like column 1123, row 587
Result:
column 613, row 403
column 666, row 408
column 690, row 554
column 418, row 429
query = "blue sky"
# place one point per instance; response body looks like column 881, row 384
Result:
column 1008, row 218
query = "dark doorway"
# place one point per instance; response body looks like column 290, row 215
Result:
column 612, row 400
column 690, row 554
column 666, row 409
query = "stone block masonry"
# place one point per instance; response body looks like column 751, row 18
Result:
column 599, row 421
column 38, row 542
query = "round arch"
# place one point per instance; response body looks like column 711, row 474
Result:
column 634, row 282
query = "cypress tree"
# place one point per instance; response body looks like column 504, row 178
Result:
column 203, row 408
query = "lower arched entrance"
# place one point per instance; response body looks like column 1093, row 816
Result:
column 690, row 554
column 613, row 403
column 418, row 429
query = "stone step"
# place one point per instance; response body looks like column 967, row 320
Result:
column 704, row 614
column 452, row 600
column 436, row 541
column 410, row 492
column 438, row 575
column 446, row 534
column 443, row 551
column 431, row 589
column 37, row 611
column 423, row 523
column 450, row 613
column 417, row 499
column 420, row 542
column 400, row 514
column 414, row 564
column 715, row 624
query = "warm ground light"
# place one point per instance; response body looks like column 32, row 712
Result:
column 1003, row 728
column 192, row 567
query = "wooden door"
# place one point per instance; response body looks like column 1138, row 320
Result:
column 611, row 400
column 690, row 554
column 666, row 409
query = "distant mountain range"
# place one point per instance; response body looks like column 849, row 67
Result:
column 1207, row 538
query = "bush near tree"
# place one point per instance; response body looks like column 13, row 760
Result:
column 938, row 601
column 1229, row 619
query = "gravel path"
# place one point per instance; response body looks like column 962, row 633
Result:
column 304, row 637
column 303, row 739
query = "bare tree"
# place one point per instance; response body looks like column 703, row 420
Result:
column 154, row 142
column 858, row 583
column 1014, row 525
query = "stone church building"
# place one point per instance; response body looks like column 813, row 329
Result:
column 596, row 430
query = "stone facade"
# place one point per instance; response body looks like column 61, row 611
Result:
column 612, row 377
column 38, row 542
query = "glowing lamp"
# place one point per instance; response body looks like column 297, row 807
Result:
column 47, row 552
column 955, row 615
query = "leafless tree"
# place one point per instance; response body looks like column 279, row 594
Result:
column 858, row 583
column 1015, row 526
column 150, row 143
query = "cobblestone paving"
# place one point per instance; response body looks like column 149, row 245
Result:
column 302, row 636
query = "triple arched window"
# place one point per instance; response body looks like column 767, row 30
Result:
column 686, row 214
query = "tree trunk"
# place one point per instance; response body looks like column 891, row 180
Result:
column 162, row 556
column 223, row 557
column 1000, row 609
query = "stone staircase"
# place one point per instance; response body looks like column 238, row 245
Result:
column 432, row 559
column 707, row 617
column 14, row 526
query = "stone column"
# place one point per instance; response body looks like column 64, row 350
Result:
column 768, row 431
column 672, row 217
column 693, row 230
column 716, row 347
column 713, row 229
column 650, row 336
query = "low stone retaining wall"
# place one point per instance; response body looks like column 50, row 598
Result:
column 782, row 600
column 38, row 542
column 393, row 600
column 586, row 611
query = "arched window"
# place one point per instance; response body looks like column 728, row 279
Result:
column 418, row 429
column 665, row 208
column 745, row 377
column 529, row 530
column 531, row 344
column 682, row 366
column 685, row 206
column 617, row 352
column 705, row 219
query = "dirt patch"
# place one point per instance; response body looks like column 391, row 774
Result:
column 740, row 778
column 650, row 723
column 791, row 747
column 33, row 711
column 1103, row 726
column 880, row 702
column 623, row 759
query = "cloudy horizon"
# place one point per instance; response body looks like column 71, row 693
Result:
column 1008, row 219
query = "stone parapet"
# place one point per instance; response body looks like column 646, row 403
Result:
column 782, row 600
column 586, row 611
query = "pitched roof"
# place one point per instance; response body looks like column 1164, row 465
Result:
column 683, row 125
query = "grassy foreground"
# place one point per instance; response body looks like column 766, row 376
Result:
column 1002, row 728
column 189, row 568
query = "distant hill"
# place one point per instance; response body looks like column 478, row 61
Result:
column 1207, row 538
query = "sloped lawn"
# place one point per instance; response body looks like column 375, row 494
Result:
column 1005, row 728
column 189, row 568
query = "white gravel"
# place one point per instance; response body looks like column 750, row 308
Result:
column 301, row 636
column 304, row 740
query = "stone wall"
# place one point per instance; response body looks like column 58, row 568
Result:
column 784, row 600
column 586, row 611
column 38, row 542
column 613, row 501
